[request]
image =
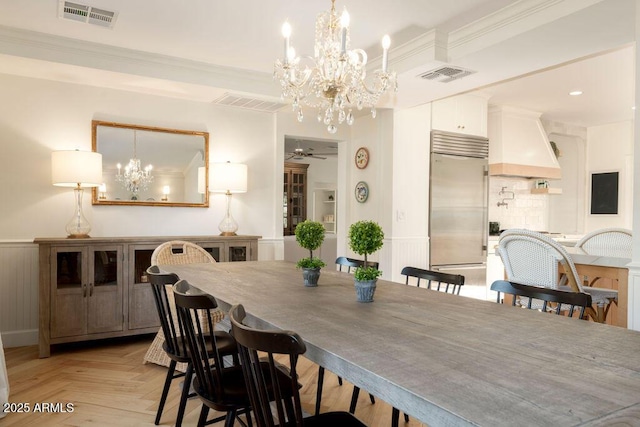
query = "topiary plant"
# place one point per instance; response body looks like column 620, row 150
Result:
column 365, row 237
column 310, row 235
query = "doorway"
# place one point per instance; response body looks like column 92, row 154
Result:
column 309, row 192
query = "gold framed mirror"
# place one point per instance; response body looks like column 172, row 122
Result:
column 151, row 166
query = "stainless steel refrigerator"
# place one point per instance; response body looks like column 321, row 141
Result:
column 458, row 219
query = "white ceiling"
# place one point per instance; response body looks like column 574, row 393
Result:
column 607, row 82
column 203, row 49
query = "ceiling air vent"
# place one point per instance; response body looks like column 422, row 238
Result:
column 446, row 74
column 87, row 14
column 249, row 103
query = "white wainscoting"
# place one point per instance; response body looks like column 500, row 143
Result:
column 270, row 249
column 18, row 293
column 407, row 251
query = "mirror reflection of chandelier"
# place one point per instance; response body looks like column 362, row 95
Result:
column 134, row 179
column 334, row 80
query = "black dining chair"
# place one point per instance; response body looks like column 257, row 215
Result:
column 349, row 263
column 553, row 300
column 218, row 387
column 436, row 280
column 175, row 345
column 258, row 346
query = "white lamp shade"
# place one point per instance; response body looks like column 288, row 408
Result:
column 73, row 167
column 231, row 177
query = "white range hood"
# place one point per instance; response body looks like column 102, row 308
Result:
column 519, row 146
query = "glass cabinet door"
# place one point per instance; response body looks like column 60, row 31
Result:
column 294, row 196
column 68, row 292
column 215, row 249
column 104, row 290
column 238, row 253
column 142, row 307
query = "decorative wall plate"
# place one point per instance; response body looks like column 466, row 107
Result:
column 362, row 192
column 362, row 158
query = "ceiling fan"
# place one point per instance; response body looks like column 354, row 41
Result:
column 299, row 153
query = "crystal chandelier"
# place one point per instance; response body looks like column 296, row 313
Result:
column 334, row 81
column 134, row 179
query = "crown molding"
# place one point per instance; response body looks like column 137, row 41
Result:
column 510, row 21
column 435, row 46
column 45, row 47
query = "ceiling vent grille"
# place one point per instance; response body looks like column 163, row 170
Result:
column 87, row 14
column 249, row 103
column 446, row 74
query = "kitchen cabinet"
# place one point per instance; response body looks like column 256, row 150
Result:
column 466, row 114
column 324, row 208
column 97, row 288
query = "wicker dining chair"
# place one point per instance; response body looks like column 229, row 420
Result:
column 615, row 242
column 177, row 252
column 531, row 258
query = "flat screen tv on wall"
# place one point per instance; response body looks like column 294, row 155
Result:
column 604, row 193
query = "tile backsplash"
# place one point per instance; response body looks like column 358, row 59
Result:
column 526, row 210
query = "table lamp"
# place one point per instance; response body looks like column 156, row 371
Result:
column 228, row 178
column 77, row 169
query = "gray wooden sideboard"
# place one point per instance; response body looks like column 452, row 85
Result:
column 96, row 288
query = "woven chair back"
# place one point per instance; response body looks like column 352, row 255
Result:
column 177, row 252
column 532, row 258
column 607, row 242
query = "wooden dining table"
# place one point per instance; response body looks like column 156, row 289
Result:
column 443, row 359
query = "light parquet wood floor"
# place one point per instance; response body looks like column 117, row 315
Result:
column 108, row 385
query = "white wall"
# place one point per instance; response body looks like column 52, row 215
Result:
column 566, row 210
column 39, row 116
column 610, row 149
column 377, row 136
column 410, row 196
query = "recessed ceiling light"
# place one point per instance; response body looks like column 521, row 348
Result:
column 575, row 92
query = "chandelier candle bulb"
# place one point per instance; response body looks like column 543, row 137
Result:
column 286, row 33
column 386, row 42
column 344, row 23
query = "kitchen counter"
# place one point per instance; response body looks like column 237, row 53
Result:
column 568, row 240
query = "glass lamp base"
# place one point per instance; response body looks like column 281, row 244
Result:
column 228, row 226
column 78, row 227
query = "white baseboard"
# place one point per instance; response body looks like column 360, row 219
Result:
column 20, row 338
